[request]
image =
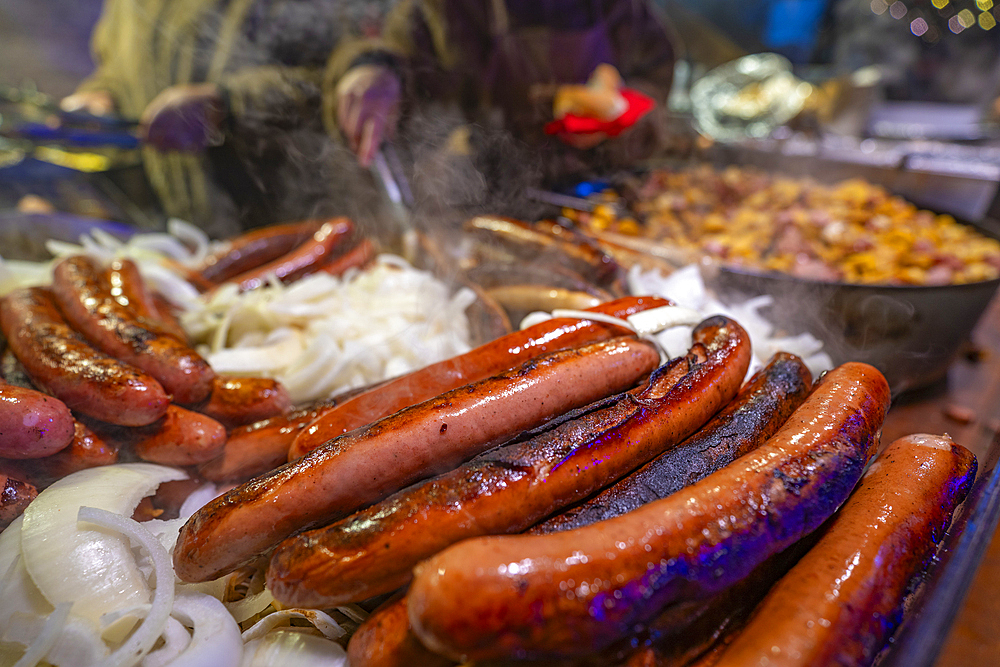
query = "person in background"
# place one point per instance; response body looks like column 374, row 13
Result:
column 499, row 63
column 228, row 94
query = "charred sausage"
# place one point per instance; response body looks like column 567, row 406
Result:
column 88, row 305
column 87, row 450
column 577, row 591
column 32, row 424
column 384, row 640
column 761, row 407
column 237, row 401
column 366, row 465
column 15, row 495
column 180, row 438
column 355, row 258
column 130, row 291
column 509, row 489
column 838, row 605
column 61, row 363
column 304, row 259
column 256, row 448
column 486, row 360
column 256, row 248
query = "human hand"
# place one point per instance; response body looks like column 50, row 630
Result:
column 186, row 117
column 583, row 141
column 368, row 99
column 93, row 102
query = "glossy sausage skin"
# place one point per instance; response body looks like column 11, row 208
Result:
column 88, row 305
column 486, row 360
column 61, row 363
column 181, row 438
column 129, row 290
column 88, row 450
column 384, row 640
column 238, row 401
column 367, row 465
column 15, row 495
column 257, row 448
column 304, row 259
column 355, row 258
column 839, row 604
column 32, row 424
column 510, row 488
column 256, row 248
column 578, row 591
column 761, row 407
column 12, row 371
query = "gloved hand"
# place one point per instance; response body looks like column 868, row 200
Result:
column 368, row 98
column 94, row 102
column 186, row 117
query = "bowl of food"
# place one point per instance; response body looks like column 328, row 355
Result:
column 870, row 274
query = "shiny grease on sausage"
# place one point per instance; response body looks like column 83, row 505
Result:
column 578, row 591
column 366, row 465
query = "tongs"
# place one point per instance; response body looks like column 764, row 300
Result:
column 387, row 171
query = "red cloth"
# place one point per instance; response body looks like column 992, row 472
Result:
column 638, row 106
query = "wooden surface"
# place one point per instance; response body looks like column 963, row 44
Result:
column 967, row 407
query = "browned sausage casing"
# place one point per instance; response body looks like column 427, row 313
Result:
column 32, row 424
column 15, row 495
column 510, row 488
column 302, row 260
column 59, row 362
column 839, row 603
column 130, row 291
column 88, row 305
column 364, row 466
column 256, row 248
column 577, row 591
column 88, row 450
column 488, row 359
column 384, row 640
column 181, row 438
column 238, row 401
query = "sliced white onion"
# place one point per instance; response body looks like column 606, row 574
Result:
column 291, row 647
column 143, row 637
column 46, row 639
column 666, row 317
column 18, row 593
column 216, row 638
column 79, row 645
column 320, row 620
column 91, row 567
column 176, row 639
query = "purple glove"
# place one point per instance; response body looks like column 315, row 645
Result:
column 184, row 118
column 368, row 98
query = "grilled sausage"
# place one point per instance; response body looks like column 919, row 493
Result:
column 12, row 371
column 256, row 248
column 486, row 360
column 577, row 591
column 761, row 407
column 180, row 438
column 256, row 448
column 238, row 401
column 129, row 290
column 384, row 640
column 509, row 489
column 355, row 258
column 838, row 605
column 87, row 450
column 60, row 363
column 88, row 305
column 366, row 465
column 302, row 260
column 32, row 424
column 15, row 495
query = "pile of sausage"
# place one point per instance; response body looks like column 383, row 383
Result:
column 560, row 497
column 95, row 368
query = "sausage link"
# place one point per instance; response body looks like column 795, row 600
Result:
column 366, row 465
column 181, row 438
column 761, row 407
column 87, row 450
column 509, row 489
column 32, row 424
column 88, row 305
column 484, row 361
column 12, row 371
column 15, row 495
column 129, row 290
column 577, row 591
column 839, row 604
column 257, row 448
column 256, row 248
column 355, row 258
column 384, row 640
column 302, row 260
column 60, row 363
column 238, row 401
